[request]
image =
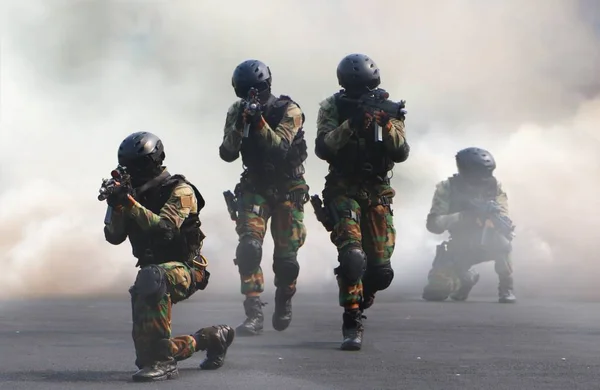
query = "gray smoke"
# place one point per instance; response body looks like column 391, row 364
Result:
column 517, row 78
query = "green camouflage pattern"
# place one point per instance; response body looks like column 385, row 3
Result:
column 287, row 128
column 337, row 135
column 178, row 207
column 152, row 322
column 287, row 227
column 375, row 234
column 463, row 253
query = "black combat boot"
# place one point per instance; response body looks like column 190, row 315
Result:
column 214, row 340
column 467, row 282
column 352, row 330
column 157, row 371
column 253, row 324
column 282, row 316
column 505, row 290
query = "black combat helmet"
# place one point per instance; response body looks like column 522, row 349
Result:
column 251, row 74
column 358, row 72
column 142, row 154
column 475, row 163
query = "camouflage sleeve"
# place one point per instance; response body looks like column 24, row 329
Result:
column 395, row 141
column 285, row 132
column 115, row 232
column 331, row 134
column 178, row 207
column 440, row 206
column 232, row 137
column 502, row 200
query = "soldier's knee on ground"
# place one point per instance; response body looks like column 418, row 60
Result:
column 150, row 284
column 248, row 254
column 378, row 277
column 353, row 262
column 439, row 287
column 286, row 270
column 436, row 294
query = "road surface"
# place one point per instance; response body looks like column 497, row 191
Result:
column 409, row 344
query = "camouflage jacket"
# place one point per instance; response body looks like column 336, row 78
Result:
column 451, row 196
column 163, row 225
column 350, row 153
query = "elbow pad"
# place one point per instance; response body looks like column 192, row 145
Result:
column 401, row 154
column 112, row 238
column 227, row 155
column 166, row 230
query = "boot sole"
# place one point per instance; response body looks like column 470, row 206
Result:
column 243, row 332
column 351, row 347
column 278, row 326
column 170, row 375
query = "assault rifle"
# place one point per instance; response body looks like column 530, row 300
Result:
column 252, row 104
column 231, row 204
column 120, row 181
column 377, row 100
column 488, row 213
column 321, row 212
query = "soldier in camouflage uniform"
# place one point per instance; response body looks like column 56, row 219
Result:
column 272, row 186
column 452, row 211
column 159, row 213
column 357, row 192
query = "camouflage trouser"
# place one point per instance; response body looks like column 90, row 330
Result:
column 452, row 268
column 372, row 230
column 152, row 321
column 287, row 229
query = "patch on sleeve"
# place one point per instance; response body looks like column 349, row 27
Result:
column 298, row 121
column 186, row 201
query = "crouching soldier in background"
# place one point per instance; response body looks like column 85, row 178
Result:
column 473, row 208
column 159, row 213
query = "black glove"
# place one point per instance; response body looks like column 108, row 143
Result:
column 118, row 198
column 358, row 120
column 253, row 116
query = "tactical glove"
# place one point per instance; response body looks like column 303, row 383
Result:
column 118, row 198
column 359, row 120
column 383, row 120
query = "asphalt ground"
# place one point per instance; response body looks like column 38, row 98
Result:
column 409, row 344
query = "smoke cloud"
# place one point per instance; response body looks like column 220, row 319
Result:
column 517, row 78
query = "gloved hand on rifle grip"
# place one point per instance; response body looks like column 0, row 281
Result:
column 118, row 198
column 383, row 120
column 359, row 120
column 252, row 117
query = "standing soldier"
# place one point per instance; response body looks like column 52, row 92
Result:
column 473, row 208
column 267, row 131
column 361, row 141
column 159, row 213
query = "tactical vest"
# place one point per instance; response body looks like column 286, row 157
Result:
column 270, row 163
column 459, row 194
column 161, row 245
column 361, row 156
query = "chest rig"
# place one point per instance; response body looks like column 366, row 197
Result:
column 166, row 243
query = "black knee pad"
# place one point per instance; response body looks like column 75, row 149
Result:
column 286, row 270
column 353, row 262
column 151, row 283
column 248, row 254
column 379, row 277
